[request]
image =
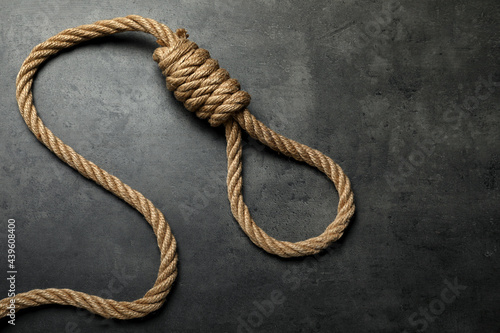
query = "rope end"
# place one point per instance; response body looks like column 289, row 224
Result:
column 182, row 33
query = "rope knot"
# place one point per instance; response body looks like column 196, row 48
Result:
column 197, row 81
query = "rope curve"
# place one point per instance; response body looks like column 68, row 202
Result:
column 207, row 90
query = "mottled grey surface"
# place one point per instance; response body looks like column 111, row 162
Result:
column 404, row 96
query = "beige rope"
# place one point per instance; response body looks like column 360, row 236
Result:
column 207, row 90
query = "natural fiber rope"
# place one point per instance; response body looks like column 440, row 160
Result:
column 207, row 90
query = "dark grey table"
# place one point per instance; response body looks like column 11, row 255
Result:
column 403, row 95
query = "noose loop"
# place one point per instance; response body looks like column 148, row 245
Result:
column 209, row 92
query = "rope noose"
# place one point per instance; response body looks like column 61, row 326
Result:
column 208, row 91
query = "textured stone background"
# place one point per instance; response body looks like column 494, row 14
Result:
column 401, row 95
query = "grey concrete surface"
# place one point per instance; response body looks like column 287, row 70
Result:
column 403, row 95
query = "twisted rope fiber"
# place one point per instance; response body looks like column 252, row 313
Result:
column 207, row 90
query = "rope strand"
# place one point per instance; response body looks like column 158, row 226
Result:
column 207, row 90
